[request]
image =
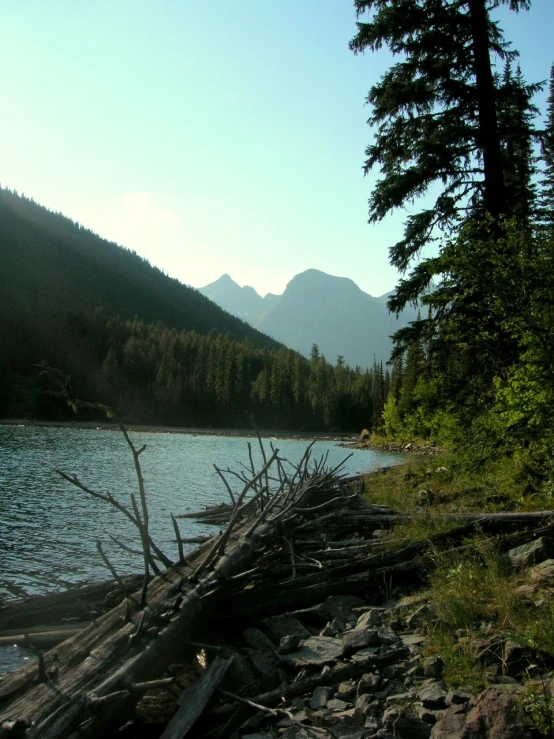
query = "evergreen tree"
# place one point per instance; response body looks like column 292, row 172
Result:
column 518, row 134
column 546, row 197
column 435, row 114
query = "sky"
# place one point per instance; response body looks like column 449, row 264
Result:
column 210, row 137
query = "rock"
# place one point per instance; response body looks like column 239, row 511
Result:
column 266, row 667
column 319, row 698
column 516, row 658
column 406, row 726
column 280, row 626
column 543, row 571
column 387, row 636
column 336, row 626
column 425, row 714
column 367, row 704
column 433, row 694
column 412, row 640
column 369, row 619
column 531, row 553
column 397, row 698
column 433, row 666
column 335, row 704
column 346, row 691
column 359, row 639
column 317, row 650
column 340, row 606
column 258, row 640
column 289, row 644
column 368, row 683
column 451, row 724
column 456, row 697
column 494, row 714
column 362, row 654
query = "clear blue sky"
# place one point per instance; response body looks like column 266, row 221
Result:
column 211, row 137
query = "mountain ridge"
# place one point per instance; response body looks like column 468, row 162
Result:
column 317, row 308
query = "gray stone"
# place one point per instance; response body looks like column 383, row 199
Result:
column 387, row 636
column 425, row 714
column 320, row 697
column 368, row 683
column 340, row 606
column 280, row 626
column 317, row 650
column 337, row 626
column 289, row 644
column 266, row 667
column 457, row 697
column 369, row 619
column 399, row 698
column 362, row 654
column 258, row 640
column 359, row 639
column 346, row 691
column 367, row 704
column 334, row 704
column 543, row 571
column 515, row 658
column 531, row 553
column 494, row 714
column 433, row 694
column 412, row 640
column 433, row 666
column 406, row 726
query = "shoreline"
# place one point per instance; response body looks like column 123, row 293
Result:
column 349, row 438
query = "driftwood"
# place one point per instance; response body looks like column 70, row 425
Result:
column 282, row 551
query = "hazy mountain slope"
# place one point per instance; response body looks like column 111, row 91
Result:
column 52, row 266
column 331, row 312
column 243, row 302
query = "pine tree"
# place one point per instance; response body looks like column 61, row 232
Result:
column 435, row 116
column 518, row 134
column 546, row 196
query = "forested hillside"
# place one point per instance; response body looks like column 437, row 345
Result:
column 158, row 351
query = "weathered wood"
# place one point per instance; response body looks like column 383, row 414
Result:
column 76, row 603
column 193, row 700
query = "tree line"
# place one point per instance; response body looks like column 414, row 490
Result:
column 154, row 374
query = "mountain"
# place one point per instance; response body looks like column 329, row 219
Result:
column 317, row 308
column 53, row 266
column 243, row 302
column 102, row 314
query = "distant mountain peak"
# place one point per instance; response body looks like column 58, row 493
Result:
column 317, row 308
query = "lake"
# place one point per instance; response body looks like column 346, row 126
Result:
column 49, row 528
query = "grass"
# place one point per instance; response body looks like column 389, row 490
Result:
column 448, row 483
column 475, row 596
column 474, row 592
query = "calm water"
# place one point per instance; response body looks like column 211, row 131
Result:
column 49, row 529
